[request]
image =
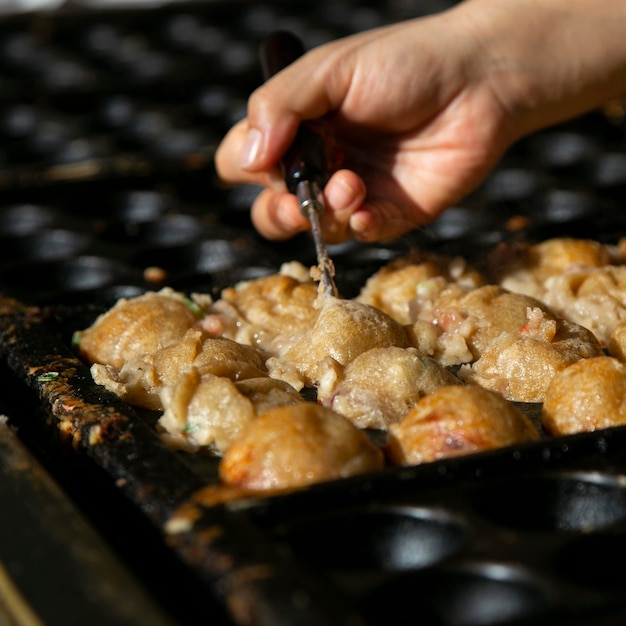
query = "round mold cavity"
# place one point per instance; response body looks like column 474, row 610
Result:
column 561, row 206
column 148, row 126
column 65, row 73
column 562, row 149
column 213, row 101
column 252, row 272
column 91, row 272
column 237, row 56
column 137, row 207
column 597, row 560
column 356, row 254
column 79, row 149
column 150, row 65
column 569, row 502
column 260, row 19
column 51, row 136
column 209, row 41
column 202, row 257
column 117, row 112
column 473, row 595
column 215, row 255
column 391, row 539
column 171, row 230
column 101, row 40
column 105, row 296
column 179, row 142
column 240, row 198
column 511, row 184
column 47, row 245
column 458, row 222
column 24, row 219
column 182, row 30
column 20, row 50
column 610, row 171
column 18, row 121
column 80, row 273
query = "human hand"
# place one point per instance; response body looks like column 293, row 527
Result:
column 422, row 111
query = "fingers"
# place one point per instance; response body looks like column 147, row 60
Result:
column 275, row 111
column 380, row 220
column 276, row 214
column 309, row 88
column 255, row 145
column 344, row 194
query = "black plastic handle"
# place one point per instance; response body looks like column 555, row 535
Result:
column 306, row 159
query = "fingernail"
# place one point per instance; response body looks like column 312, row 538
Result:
column 251, row 148
column 284, row 216
column 341, row 195
column 289, row 217
column 362, row 224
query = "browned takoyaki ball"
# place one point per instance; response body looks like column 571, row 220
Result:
column 380, row 386
column 137, row 326
column 293, row 446
column 586, row 396
column 457, row 420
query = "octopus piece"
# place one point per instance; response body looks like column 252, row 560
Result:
column 401, row 288
column 381, row 385
column 269, row 313
column 141, row 379
column 457, row 420
column 211, row 412
column 520, row 366
column 586, row 396
column 294, row 446
column 343, row 330
column 137, row 326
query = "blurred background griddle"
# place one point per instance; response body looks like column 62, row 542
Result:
column 110, row 114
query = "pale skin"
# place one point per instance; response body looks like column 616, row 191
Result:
column 423, row 110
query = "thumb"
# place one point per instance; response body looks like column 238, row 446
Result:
column 298, row 92
column 270, row 130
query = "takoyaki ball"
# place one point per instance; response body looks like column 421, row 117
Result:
column 457, row 420
column 343, row 330
column 582, row 281
column 137, row 326
column 211, row 412
column 269, row 313
column 488, row 311
column 294, row 446
column 520, row 367
column 525, row 267
column 403, row 287
column 380, row 386
column 140, row 380
column 586, row 396
column 266, row 393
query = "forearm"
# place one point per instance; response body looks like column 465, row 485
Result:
column 548, row 60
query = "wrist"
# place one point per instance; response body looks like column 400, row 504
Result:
column 547, row 61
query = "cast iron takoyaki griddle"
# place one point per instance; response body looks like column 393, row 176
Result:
column 108, row 123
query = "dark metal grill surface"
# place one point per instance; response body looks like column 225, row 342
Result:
column 108, row 124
